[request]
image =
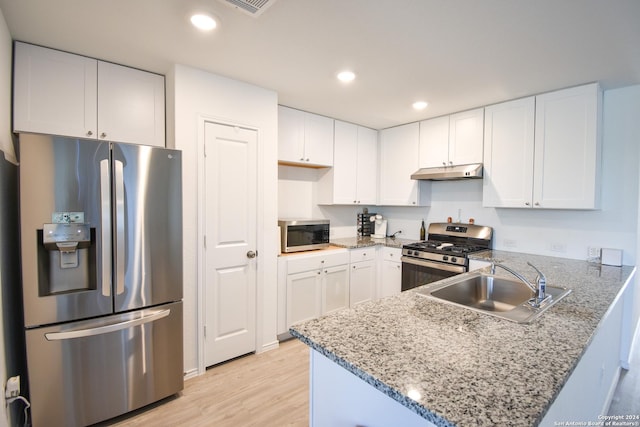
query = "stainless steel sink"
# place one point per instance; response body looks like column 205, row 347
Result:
column 493, row 295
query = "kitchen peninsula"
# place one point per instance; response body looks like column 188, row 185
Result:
column 408, row 360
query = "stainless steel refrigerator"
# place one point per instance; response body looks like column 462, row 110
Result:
column 101, row 249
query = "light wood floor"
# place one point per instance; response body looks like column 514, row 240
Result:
column 272, row 389
column 266, row 389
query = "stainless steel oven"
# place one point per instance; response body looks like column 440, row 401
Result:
column 418, row 272
column 444, row 254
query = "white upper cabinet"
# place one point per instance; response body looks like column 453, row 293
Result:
column 65, row 94
column 304, row 139
column 452, row 140
column 508, row 154
column 130, row 105
column 398, row 160
column 54, row 92
column 353, row 178
column 434, row 142
column 566, row 171
column 552, row 164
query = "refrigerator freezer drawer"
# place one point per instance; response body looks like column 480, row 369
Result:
column 85, row 372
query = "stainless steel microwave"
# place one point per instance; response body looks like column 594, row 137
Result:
column 298, row 235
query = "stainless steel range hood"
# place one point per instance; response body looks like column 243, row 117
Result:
column 449, row 173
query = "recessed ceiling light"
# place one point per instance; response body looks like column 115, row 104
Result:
column 346, row 76
column 203, row 22
column 420, row 105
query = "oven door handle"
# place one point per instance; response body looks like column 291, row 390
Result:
column 436, row 265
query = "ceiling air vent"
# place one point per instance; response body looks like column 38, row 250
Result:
column 250, row 7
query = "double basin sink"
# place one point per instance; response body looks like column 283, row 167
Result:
column 493, row 295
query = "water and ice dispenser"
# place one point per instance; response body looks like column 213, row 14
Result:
column 66, row 258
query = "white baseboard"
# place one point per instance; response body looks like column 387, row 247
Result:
column 191, row 373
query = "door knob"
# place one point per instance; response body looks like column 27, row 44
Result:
column 252, row 254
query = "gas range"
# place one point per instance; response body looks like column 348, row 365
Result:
column 450, row 242
column 444, row 253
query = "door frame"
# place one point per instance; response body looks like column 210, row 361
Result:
column 202, row 120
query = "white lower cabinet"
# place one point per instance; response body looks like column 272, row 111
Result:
column 362, row 275
column 334, row 289
column 362, row 280
column 391, row 272
column 316, row 284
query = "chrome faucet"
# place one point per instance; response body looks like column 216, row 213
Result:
column 539, row 289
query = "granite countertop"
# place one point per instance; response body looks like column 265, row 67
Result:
column 363, row 242
column 465, row 368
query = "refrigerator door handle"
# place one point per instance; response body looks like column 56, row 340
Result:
column 100, row 330
column 105, row 217
column 119, row 225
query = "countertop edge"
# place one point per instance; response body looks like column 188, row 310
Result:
column 377, row 384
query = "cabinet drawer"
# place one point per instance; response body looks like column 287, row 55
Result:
column 307, row 262
column 391, row 254
column 362, row 254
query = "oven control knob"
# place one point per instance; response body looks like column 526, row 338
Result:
column 445, row 258
column 454, row 259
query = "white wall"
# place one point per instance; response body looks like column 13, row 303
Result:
column 6, row 66
column 562, row 233
column 6, row 146
column 195, row 94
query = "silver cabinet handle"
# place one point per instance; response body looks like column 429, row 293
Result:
column 527, row 204
column 251, row 254
column 83, row 333
column 120, row 240
column 89, row 133
column 536, row 204
column 105, row 219
column 103, row 135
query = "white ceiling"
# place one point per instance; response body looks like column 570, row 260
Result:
column 455, row 54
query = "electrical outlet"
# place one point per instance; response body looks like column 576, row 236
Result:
column 558, row 247
column 13, row 387
column 593, row 253
column 510, row 243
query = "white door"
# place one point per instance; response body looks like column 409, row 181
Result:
column 230, row 239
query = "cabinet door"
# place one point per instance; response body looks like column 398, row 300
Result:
column 567, row 148
column 391, row 278
column 345, row 175
column 130, row 105
column 54, row 92
column 466, row 136
column 335, row 288
column 398, row 160
column 434, row 142
column 508, row 154
column 303, row 296
column 362, row 282
column 318, row 140
column 367, row 166
column 290, row 135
